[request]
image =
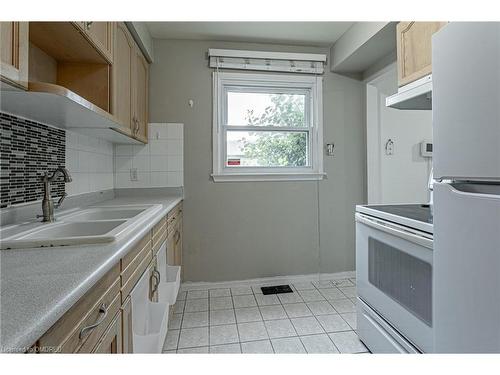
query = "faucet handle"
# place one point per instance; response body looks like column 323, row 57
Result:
column 59, row 202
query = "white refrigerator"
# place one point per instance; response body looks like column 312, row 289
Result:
column 466, row 135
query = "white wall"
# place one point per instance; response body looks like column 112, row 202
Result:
column 90, row 162
column 401, row 177
column 158, row 164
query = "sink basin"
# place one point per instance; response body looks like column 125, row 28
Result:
column 105, row 214
column 74, row 229
column 66, row 233
column 88, row 226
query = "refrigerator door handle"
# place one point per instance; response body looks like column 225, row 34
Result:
column 483, row 191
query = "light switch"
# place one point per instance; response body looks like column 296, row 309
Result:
column 329, row 149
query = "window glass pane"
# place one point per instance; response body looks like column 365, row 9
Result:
column 265, row 109
column 267, row 149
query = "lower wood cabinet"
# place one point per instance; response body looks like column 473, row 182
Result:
column 101, row 321
column 127, row 335
column 81, row 328
column 111, row 341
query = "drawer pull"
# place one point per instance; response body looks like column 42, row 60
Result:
column 154, row 287
column 155, row 271
column 85, row 331
column 178, row 236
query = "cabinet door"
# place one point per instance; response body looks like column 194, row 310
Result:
column 414, row 49
column 141, row 79
column 111, row 341
column 122, row 76
column 101, row 34
column 127, row 335
column 178, row 243
column 171, row 248
column 14, row 53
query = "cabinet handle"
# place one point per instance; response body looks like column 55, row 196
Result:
column 136, row 127
column 155, row 285
column 155, row 271
column 88, row 24
column 103, row 311
column 178, row 234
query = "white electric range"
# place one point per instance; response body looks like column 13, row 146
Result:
column 394, row 277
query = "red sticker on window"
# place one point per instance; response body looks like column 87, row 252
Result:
column 233, row 162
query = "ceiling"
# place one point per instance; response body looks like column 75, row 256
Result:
column 298, row 33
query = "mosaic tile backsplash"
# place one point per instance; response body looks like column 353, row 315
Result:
column 27, row 150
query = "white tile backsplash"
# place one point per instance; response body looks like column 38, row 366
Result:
column 90, row 162
column 158, row 164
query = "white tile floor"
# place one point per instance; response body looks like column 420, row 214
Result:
column 318, row 317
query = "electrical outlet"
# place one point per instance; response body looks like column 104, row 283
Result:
column 133, row 174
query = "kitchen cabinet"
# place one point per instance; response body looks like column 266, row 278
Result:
column 130, row 84
column 174, row 240
column 81, row 328
column 101, row 321
column 14, row 53
column 178, row 244
column 141, row 80
column 127, row 334
column 414, row 49
column 122, row 104
column 88, row 69
column 100, row 34
column 61, row 55
column 111, row 341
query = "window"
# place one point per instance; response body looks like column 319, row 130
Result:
column 267, row 127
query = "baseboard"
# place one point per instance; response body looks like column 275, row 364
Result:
column 189, row 285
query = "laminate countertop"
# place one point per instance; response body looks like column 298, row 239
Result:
column 39, row 285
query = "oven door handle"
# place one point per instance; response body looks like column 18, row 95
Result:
column 401, row 233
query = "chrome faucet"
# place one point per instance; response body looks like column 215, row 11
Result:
column 47, row 202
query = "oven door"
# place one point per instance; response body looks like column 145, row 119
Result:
column 394, row 277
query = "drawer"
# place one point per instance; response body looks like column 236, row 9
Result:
column 98, row 332
column 159, row 238
column 173, row 217
column 63, row 332
column 144, row 254
column 111, row 340
column 159, row 226
column 132, row 254
column 129, row 284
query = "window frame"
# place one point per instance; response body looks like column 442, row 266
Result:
column 311, row 86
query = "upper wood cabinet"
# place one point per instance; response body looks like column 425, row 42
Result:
column 95, row 63
column 100, row 34
column 141, row 79
column 14, row 53
column 122, row 107
column 130, row 84
column 414, row 49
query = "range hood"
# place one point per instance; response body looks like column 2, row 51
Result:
column 416, row 95
column 57, row 106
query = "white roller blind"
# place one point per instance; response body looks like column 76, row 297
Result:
column 267, row 61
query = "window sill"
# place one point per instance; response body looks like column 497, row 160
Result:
column 250, row 177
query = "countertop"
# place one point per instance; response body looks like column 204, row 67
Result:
column 39, row 285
